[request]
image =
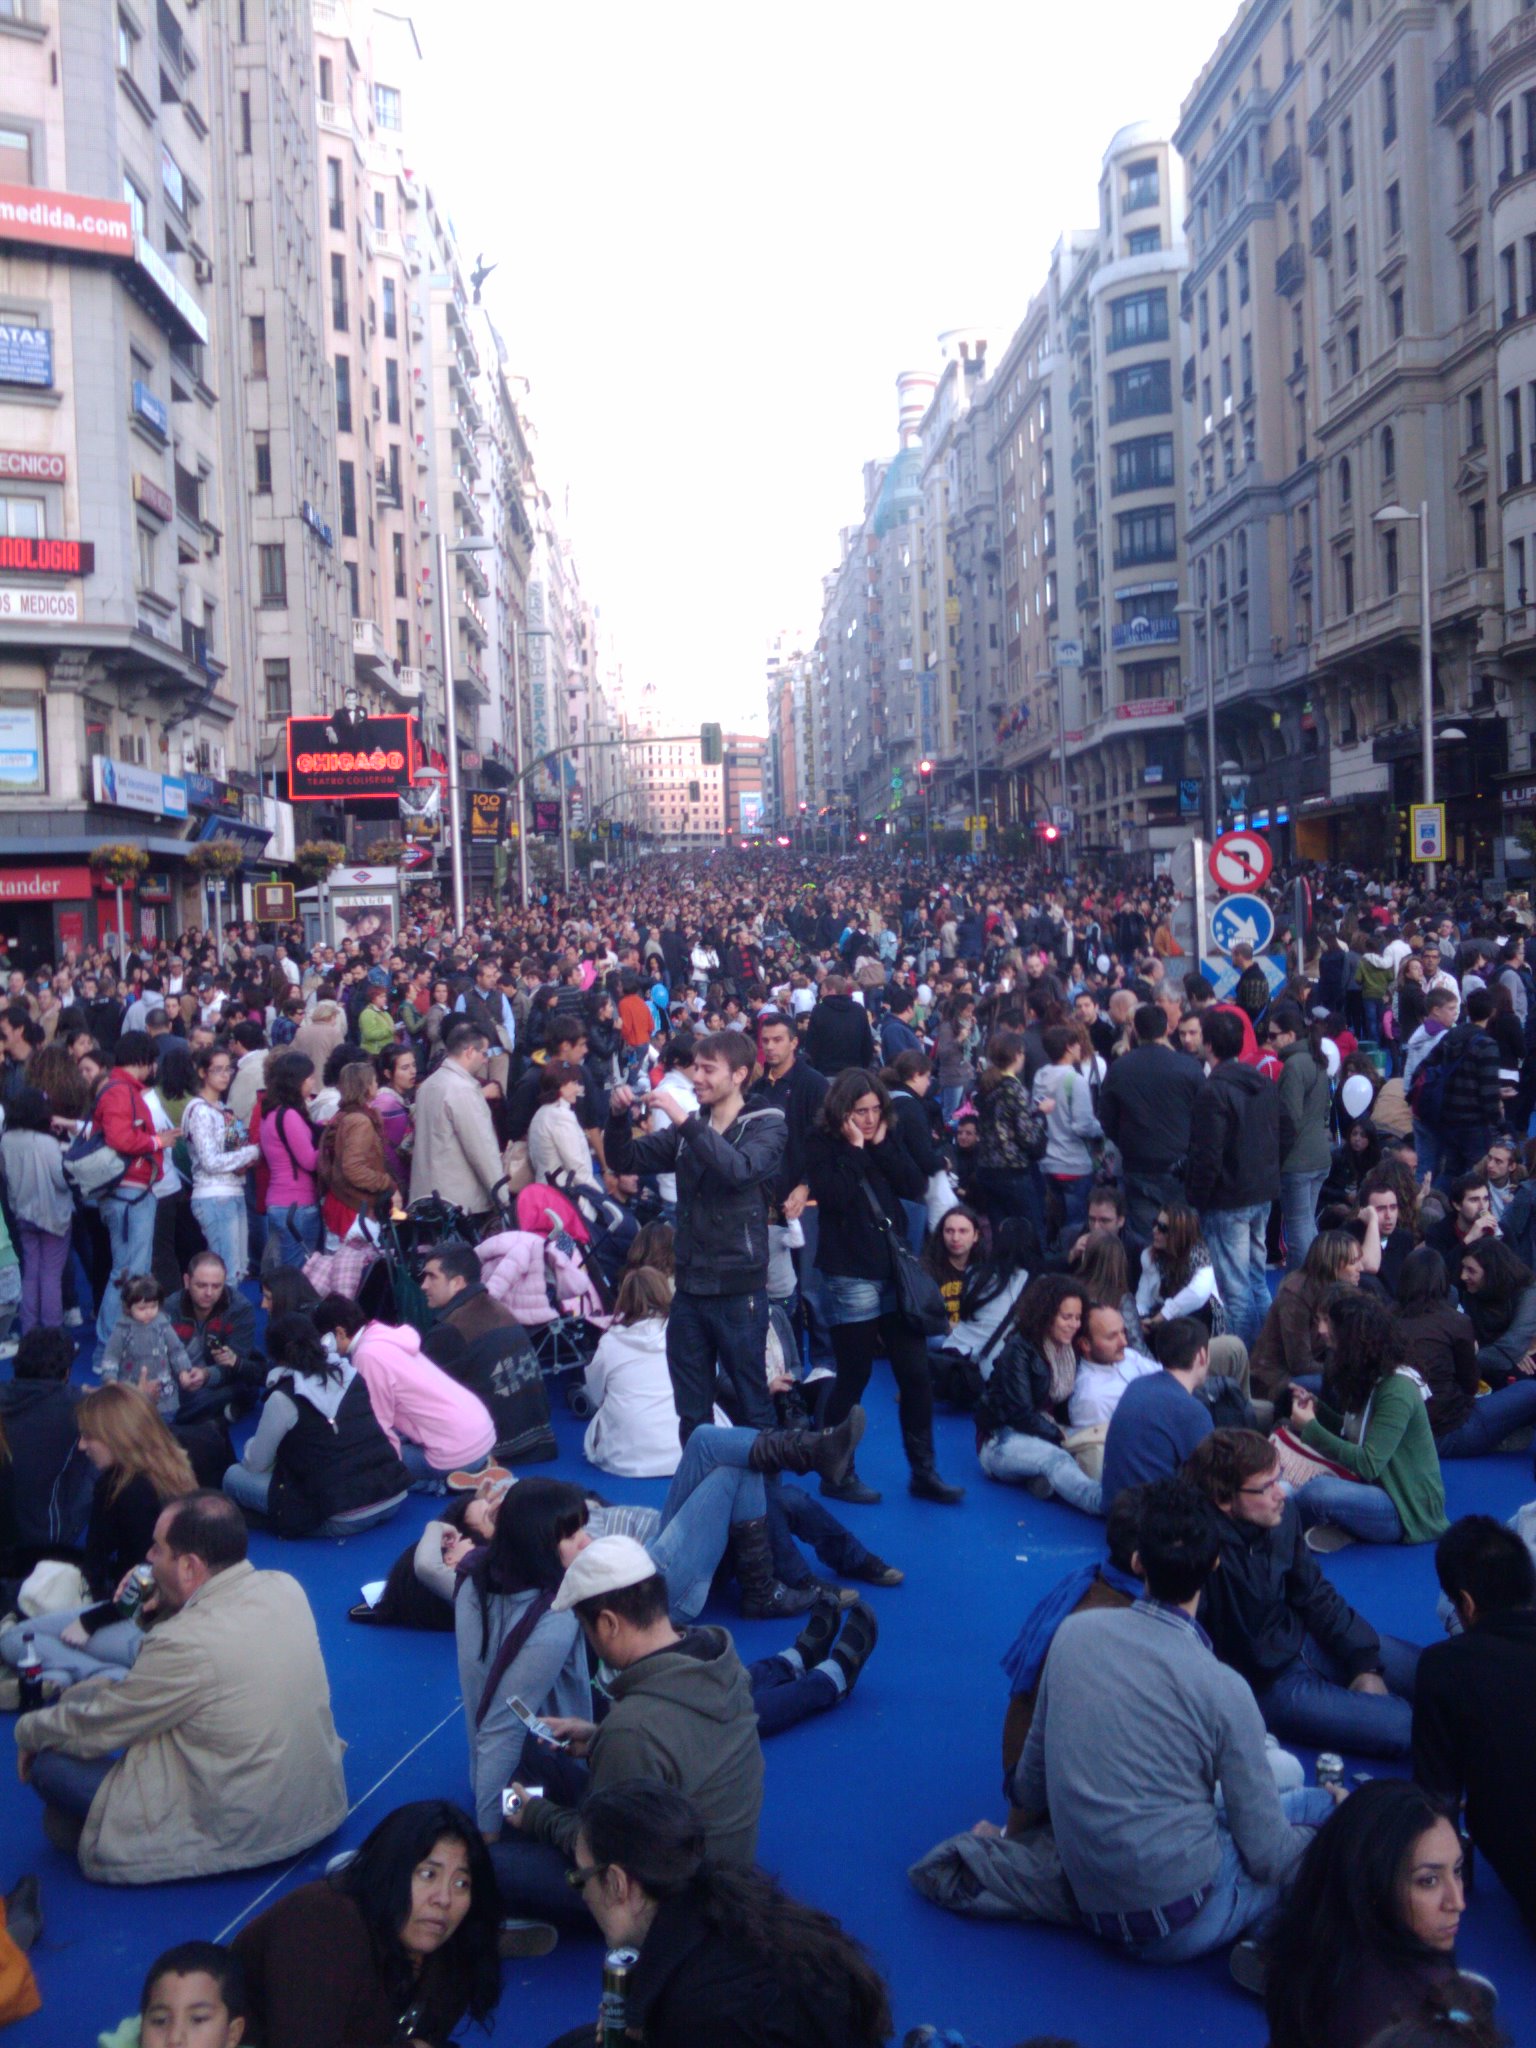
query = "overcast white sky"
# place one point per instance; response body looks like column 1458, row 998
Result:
column 722, row 231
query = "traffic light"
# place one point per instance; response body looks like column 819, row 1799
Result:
column 925, row 771
column 693, row 792
column 1048, row 833
column 711, row 749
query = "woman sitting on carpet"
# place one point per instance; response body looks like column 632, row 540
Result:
column 991, row 1284
column 633, row 1431
column 1377, row 1429
column 1370, row 1922
column 319, row 1463
column 1018, row 1419
column 725, row 1953
column 139, row 1467
column 398, row 1945
column 510, row 1645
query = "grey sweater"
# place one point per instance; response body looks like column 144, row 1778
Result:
column 1135, row 1725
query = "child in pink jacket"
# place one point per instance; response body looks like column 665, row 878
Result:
column 436, row 1425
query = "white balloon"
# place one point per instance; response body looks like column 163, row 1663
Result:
column 1356, row 1095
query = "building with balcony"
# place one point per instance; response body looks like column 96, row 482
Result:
column 1399, row 369
column 114, row 613
column 288, row 593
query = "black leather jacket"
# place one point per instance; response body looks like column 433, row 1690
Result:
column 725, row 1184
column 1018, row 1395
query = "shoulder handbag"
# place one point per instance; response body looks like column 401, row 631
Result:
column 918, row 1300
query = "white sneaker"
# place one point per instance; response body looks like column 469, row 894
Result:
column 73, row 1320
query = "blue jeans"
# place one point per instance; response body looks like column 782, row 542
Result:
column 794, row 1513
column 1426, row 1147
column 68, row 1782
column 1493, row 1417
column 725, row 1330
column 1298, row 1207
column 1072, row 1190
column 221, row 1219
column 297, row 1228
column 710, row 1490
column 1310, row 1702
column 131, row 1232
column 250, row 1490
column 1367, row 1512
column 950, row 1100
column 1236, row 1900
column 1007, row 1191
column 1236, row 1241
column 113, row 1649
column 1011, row 1456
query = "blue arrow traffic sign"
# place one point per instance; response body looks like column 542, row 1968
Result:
column 1242, row 919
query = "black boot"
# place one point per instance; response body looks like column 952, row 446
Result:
column 828, row 1452
column 925, row 1481
column 851, row 1490
column 763, row 1597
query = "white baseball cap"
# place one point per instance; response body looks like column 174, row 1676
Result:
column 607, row 1565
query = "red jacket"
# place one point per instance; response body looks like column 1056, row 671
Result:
column 124, row 1119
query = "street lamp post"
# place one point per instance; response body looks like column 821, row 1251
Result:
column 476, row 544
column 1390, row 515
column 925, row 776
column 1212, row 788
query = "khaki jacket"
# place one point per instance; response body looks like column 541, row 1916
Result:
column 455, row 1154
column 231, row 1758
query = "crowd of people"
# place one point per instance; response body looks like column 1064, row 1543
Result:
column 291, row 1232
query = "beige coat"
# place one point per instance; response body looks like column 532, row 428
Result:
column 455, row 1155
column 231, row 1758
column 320, row 1034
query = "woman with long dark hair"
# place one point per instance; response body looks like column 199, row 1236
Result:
column 1012, row 1135
column 1370, row 1921
column 510, row 1645
column 1178, row 1277
column 725, row 1955
column 397, row 1088
column 859, row 1172
column 290, row 1144
column 319, row 1462
column 1500, row 1295
column 398, row 1945
column 1375, row 1424
column 1019, row 1434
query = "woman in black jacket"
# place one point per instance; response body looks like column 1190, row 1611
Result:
column 859, row 1173
column 908, row 1080
column 1018, row 1432
column 725, row 1955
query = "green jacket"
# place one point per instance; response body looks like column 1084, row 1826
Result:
column 683, row 1715
column 375, row 1030
column 1304, row 1097
column 1396, row 1452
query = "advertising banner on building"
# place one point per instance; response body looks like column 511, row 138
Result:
column 546, row 818
column 26, row 354
column 66, row 220
column 344, row 758
column 421, row 811
column 750, row 806
column 490, row 813
column 21, row 746
column 127, row 787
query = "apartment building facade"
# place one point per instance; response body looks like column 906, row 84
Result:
column 113, row 603
column 1387, row 167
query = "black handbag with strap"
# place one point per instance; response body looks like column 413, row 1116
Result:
column 918, row 1300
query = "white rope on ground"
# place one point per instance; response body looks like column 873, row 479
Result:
column 362, row 1800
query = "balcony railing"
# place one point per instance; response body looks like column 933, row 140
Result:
column 1455, row 76
column 1322, row 231
column 1317, row 131
column 1290, row 270
column 1285, row 173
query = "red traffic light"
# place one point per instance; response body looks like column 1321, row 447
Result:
column 1049, row 833
column 925, row 768
column 863, row 839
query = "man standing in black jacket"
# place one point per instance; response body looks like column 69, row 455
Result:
column 839, row 1033
column 1476, row 1695
column 1145, row 1106
column 1321, row 1674
column 726, row 1158
column 794, row 1087
column 1471, row 1106
column 1233, row 1171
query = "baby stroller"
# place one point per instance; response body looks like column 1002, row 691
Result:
column 600, row 1231
column 539, row 1277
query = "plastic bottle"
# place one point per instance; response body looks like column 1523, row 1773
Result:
column 29, row 1673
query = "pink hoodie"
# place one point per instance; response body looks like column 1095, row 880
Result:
column 414, row 1398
